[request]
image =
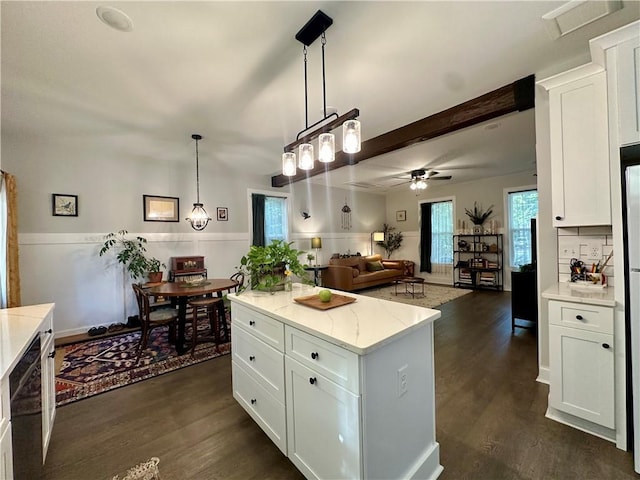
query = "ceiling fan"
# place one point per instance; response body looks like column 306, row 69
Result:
column 420, row 177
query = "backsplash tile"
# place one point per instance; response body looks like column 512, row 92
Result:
column 582, row 239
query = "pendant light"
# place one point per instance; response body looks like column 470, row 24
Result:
column 198, row 217
column 313, row 29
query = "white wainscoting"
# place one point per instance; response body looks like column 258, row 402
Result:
column 90, row 290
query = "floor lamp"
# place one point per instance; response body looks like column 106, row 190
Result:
column 316, row 242
column 376, row 237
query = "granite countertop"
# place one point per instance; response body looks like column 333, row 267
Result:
column 18, row 327
column 567, row 292
column 361, row 326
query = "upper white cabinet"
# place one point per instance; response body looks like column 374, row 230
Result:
column 628, row 63
column 579, row 145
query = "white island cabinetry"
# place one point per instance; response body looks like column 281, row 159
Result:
column 355, row 389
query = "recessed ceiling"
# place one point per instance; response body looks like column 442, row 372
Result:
column 233, row 72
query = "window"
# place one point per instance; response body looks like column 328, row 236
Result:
column 522, row 207
column 269, row 218
column 441, row 232
column 275, row 219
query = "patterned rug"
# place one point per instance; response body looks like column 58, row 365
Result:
column 97, row 366
column 434, row 295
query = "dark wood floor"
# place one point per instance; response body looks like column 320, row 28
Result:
column 489, row 416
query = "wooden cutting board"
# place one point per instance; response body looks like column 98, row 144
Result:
column 314, row 301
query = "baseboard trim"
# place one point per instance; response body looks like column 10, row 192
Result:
column 543, row 375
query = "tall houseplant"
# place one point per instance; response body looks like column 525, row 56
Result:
column 266, row 266
column 392, row 240
column 131, row 254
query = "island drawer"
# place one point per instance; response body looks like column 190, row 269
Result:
column 262, row 362
column 595, row 318
column 265, row 410
column 334, row 362
column 263, row 327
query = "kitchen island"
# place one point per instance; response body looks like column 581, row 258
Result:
column 346, row 392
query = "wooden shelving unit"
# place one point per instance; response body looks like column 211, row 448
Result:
column 478, row 261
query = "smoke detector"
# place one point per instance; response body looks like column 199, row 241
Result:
column 115, row 18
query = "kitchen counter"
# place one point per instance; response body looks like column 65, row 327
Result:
column 18, row 327
column 593, row 296
column 360, row 327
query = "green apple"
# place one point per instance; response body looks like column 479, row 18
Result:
column 325, row 295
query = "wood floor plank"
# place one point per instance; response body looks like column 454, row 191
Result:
column 490, row 419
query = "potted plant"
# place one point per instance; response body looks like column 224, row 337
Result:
column 131, row 253
column 266, row 266
column 478, row 216
column 392, row 240
column 155, row 268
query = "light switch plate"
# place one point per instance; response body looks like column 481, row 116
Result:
column 568, row 247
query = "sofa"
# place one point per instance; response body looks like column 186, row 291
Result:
column 358, row 272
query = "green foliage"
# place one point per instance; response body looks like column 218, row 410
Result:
column 266, row 266
column 478, row 216
column 392, row 240
column 131, row 253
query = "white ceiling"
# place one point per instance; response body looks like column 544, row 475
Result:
column 232, row 71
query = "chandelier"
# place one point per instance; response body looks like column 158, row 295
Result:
column 198, row 217
column 351, row 138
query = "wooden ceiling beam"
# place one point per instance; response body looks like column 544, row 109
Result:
column 515, row 97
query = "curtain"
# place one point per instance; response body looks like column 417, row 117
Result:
column 425, row 237
column 257, row 210
column 9, row 266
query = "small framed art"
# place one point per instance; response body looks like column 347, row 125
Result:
column 64, row 205
column 222, row 214
column 401, row 215
column 160, row 209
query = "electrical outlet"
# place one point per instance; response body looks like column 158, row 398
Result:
column 594, row 251
column 403, row 380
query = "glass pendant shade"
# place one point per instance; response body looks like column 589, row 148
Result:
column 305, row 156
column 198, row 217
column 327, row 147
column 351, row 136
column 289, row 164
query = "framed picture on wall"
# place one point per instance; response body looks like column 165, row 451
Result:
column 64, row 205
column 401, row 215
column 222, row 214
column 160, row 209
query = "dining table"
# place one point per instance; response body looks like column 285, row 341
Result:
column 182, row 291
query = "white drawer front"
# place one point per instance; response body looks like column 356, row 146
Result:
column 262, row 362
column 265, row 410
column 579, row 315
column 267, row 329
column 335, row 363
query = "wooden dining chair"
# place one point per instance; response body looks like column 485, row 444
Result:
column 213, row 307
column 150, row 319
column 238, row 277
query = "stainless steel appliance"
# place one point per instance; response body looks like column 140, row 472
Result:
column 630, row 157
column 26, row 414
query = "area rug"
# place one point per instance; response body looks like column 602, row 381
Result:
column 434, row 295
column 143, row 471
column 96, row 366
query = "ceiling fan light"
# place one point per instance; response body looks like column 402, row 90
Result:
column 351, row 136
column 198, row 218
column 289, row 164
column 305, row 156
column 327, row 147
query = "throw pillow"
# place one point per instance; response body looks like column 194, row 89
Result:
column 374, row 266
column 355, row 272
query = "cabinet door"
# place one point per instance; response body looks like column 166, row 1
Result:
column 6, row 456
column 580, row 152
column 323, row 425
column 48, row 391
column 628, row 58
column 581, row 374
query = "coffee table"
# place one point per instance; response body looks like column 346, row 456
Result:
column 410, row 281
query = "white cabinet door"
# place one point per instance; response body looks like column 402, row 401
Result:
column 323, row 425
column 628, row 58
column 48, row 389
column 581, row 374
column 6, row 456
column 580, row 152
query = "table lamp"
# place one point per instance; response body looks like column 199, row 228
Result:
column 316, row 242
column 376, row 237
